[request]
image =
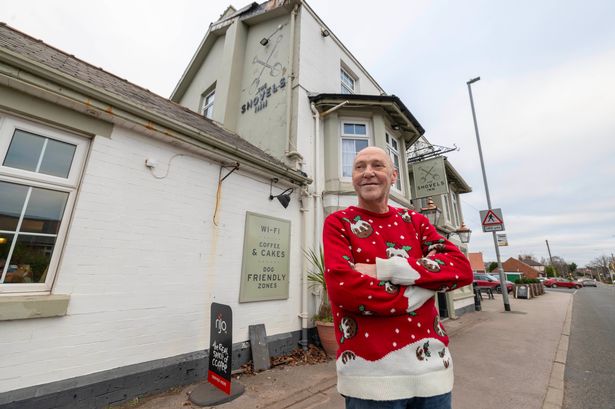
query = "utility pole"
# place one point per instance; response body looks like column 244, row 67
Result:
column 551, row 258
column 612, row 268
column 482, row 165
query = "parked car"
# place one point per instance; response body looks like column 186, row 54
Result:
column 561, row 282
column 509, row 284
column 487, row 280
column 589, row 282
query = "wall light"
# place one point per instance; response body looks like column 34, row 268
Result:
column 463, row 232
column 324, row 32
column 284, row 197
column 431, row 211
column 264, row 41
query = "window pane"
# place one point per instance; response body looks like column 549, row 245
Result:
column 44, row 211
column 348, row 154
column 5, row 246
column 12, row 199
column 57, row 159
column 360, row 129
column 348, row 129
column 30, row 259
column 24, row 151
column 360, row 144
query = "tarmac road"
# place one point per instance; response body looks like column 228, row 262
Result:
column 590, row 367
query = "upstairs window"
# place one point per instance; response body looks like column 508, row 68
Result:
column 354, row 138
column 208, row 104
column 393, row 147
column 348, row 82
column 39, row 171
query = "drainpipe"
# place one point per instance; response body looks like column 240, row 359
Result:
column 291, row 153
column 306, row 204
column 316, row 205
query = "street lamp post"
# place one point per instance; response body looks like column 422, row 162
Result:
column 482, row 165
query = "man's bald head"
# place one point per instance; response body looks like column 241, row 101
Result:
column 373, row 174
column 375, row 149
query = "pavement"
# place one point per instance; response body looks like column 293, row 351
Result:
column 508, row 360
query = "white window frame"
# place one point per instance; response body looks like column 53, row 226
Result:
column 455, row 207
column 69, row 185
column 446, row 208
column 344, row 136
column 208, row 106
column 389, row 138
column 345, row 87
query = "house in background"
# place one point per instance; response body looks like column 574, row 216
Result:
column 514, row 265
column 477, row 262
column 533, row 263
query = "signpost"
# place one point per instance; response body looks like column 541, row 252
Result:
column 492, row 220
column 430, row 178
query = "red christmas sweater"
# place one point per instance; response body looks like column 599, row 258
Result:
column 391, row 342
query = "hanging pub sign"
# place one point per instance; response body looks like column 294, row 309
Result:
column 266, row 259
column 220, row 347
column 430, row 178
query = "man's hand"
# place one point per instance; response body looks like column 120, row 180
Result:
column 367, row 269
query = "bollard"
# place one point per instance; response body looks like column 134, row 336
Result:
column 477, row 306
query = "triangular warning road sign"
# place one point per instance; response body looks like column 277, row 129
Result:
column 491, row 219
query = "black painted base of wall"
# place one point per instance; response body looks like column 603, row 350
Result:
column 119, row 385
column 468, row 308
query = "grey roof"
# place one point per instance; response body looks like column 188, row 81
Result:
column 317, row 98
column 39, row 52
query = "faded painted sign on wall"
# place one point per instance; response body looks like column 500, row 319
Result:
column 266, row 258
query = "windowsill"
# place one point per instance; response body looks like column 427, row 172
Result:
column 23, row 307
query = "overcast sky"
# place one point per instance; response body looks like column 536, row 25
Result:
column 545, row 102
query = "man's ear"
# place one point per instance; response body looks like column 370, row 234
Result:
column 394, row 177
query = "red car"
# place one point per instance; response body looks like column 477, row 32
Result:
column 487, row 280
column 561, row 282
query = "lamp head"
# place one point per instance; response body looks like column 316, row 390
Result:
column 473, row 80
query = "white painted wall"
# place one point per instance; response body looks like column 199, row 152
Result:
column 142, row 263
column 320, row 59
column 206, row 76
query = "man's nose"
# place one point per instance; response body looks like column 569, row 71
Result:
column 369, row 171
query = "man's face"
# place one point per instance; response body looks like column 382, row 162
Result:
column 372, row 176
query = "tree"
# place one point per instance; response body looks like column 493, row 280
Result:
column 550, row 271
column 492, row 266
column 600, row 266
column 572, row 267
column 561, row 267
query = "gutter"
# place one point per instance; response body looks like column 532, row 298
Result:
column 100, row 103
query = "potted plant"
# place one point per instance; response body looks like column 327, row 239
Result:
column 324, row 317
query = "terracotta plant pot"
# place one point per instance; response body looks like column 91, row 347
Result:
column 326, row 333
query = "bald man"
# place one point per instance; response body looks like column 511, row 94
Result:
column 383, row 266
